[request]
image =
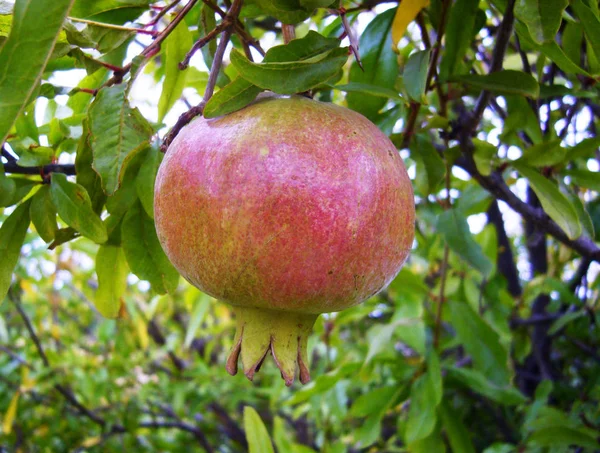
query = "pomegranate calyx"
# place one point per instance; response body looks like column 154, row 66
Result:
column 284, row 334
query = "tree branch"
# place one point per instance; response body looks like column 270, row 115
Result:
column 14, row 168
column 504, row 34
column 155, row 46
column 505, row 261
column 188, row 116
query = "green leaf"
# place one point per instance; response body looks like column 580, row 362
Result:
column 86, row 176
column 422, row 413
column 585, row 178
column 177, row 44
column 281, row 435
column 542, row 17
column 290, row 77
column 507, row 395
column 556, row 205
column 74, row 206
column 102, row 38
column 551, row 50
column 8, row 188
column 415, row 74
column 590, row 23
column 459, row 34
column 455, row 229
column 22, row 59
column 311, row 45
column 200, row 309
column 563, row 436
column 380, row 64
column 481, row 342
column 287, row 11
column 543, row 154
column 483, row 155
column 256, row 433
column 458, row 434
column 144, row 253
column 365, row 88
column 424, row 153
column 112, row 270
column 376, row 401
column 432, row 443
column 585, row 148
column 232, row 97
column 239, row 93
column 12, row 235
column 501, row 448
column 43, row 214
column 565, row 319
column 118, row 133
column 503, row 82
column 22, row 188
column 434, row 372
column 144, row 182
column 86, row 8
column 587, row 225
column 206, row 24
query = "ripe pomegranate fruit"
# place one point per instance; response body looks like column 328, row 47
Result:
column 285, row 209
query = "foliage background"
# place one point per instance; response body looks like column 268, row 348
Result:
column 486, row 341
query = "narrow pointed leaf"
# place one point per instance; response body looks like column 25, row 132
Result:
column 407, row 12
column 455, row 229
column 256, row 432
column 12, row 235
column 111, row 268
column 503, row 82
column 118, row 132
column 74, row 206
column 144, row 253
column 22, row 58
column 556, row 205
column 291, row 77
column 380, row 65
column 415, row 73
column 176, row 45
column 542, row 17
column 43, row 214
column 232, row 97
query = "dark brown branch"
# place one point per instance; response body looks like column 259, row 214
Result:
column 505, row 261
column 161, row 13
column 496, row 185
column 504, row 34
column 12, row 167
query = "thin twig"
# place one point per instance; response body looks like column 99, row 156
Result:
column 188, row 116
column 153, row 48
column 98, row 420
column 444, row 267
column 161, row 13
column 504, row 34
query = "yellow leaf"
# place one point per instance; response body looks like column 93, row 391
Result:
column 91, row 441
column 405, row 14
column 142, row 332
column 11, row 412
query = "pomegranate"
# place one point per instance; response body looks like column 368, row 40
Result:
column 285, row 209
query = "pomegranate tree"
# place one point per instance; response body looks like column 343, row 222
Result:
column 285, row 209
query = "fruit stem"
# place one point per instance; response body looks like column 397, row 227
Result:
column 284, row 334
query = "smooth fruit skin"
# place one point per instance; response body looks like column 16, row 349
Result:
column 289, row 204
